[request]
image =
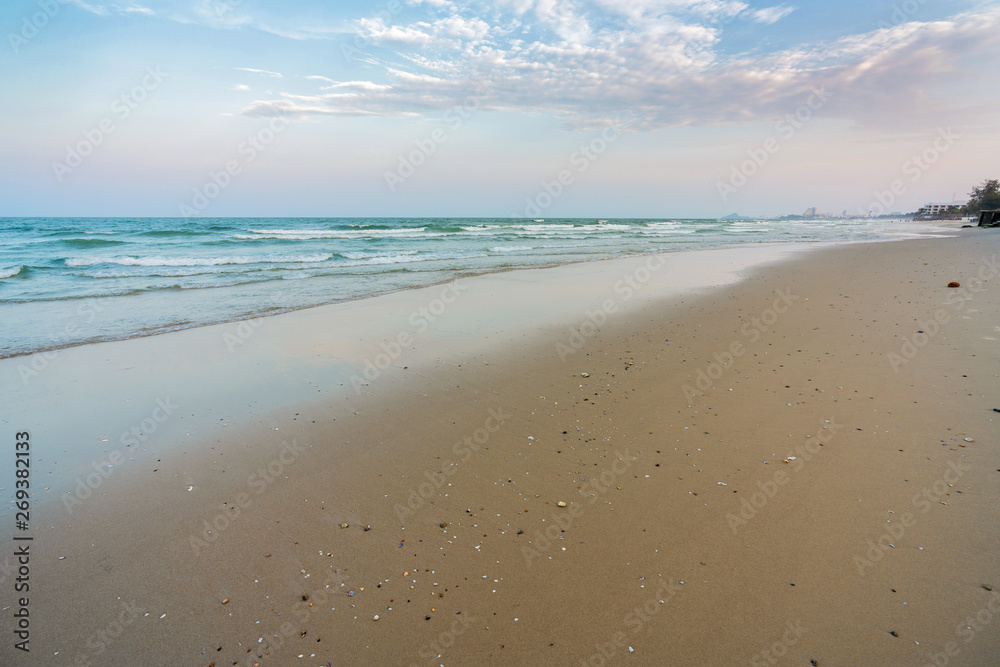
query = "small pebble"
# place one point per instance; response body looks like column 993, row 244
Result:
column 561, row 504
column 954, row 284
column 344, row 525
column 226, row 601
column 893, row 633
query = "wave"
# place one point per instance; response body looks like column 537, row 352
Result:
column 397, row 259
column 310, row 234
column 188, row 272
column 173, row 232
column 404, row 258
column 10, row 273
column 91, row 243
column 510, row 248
column 370, row 255
column 199, row 261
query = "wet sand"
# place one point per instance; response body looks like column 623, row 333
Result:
column 668, row 426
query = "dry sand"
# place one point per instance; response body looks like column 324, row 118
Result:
column 458, row 462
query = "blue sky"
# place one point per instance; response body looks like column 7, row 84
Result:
column 643, row 108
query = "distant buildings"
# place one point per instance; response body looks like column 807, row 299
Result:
column 939, row 211
column 813, row 213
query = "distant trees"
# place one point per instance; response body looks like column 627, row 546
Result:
column 984, row 197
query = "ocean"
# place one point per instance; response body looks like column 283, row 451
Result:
column 68, row 281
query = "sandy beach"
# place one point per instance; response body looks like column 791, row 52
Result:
column 764, row 455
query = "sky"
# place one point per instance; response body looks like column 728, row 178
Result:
column 461, row 108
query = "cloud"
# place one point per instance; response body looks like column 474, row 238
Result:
column 446, row 33
column 439, row 4
column 771, row 14
column 241, row 86
column 112, row 8
column 262, row 72
column 219, row 14
column 648, row 58
column 235, row 15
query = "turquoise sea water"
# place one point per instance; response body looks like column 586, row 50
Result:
column 66, row 281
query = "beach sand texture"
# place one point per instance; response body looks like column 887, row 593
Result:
column 761, row 464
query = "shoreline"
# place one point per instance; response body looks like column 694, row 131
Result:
column 348, row 342
column 89, row 301
column 488, row 429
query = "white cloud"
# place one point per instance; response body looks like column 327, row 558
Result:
column 241, row 86
column 221, row 14
column 771, row 14
column 262, row 72
column 112, row 8
column 445, row 33
column 234, row 14
column 663, row 70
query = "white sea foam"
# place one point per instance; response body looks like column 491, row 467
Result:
column 199, row 261
column 370, row 255
column 311, row 234
column 396, row 259
column 510, row 248
column 10, row 273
